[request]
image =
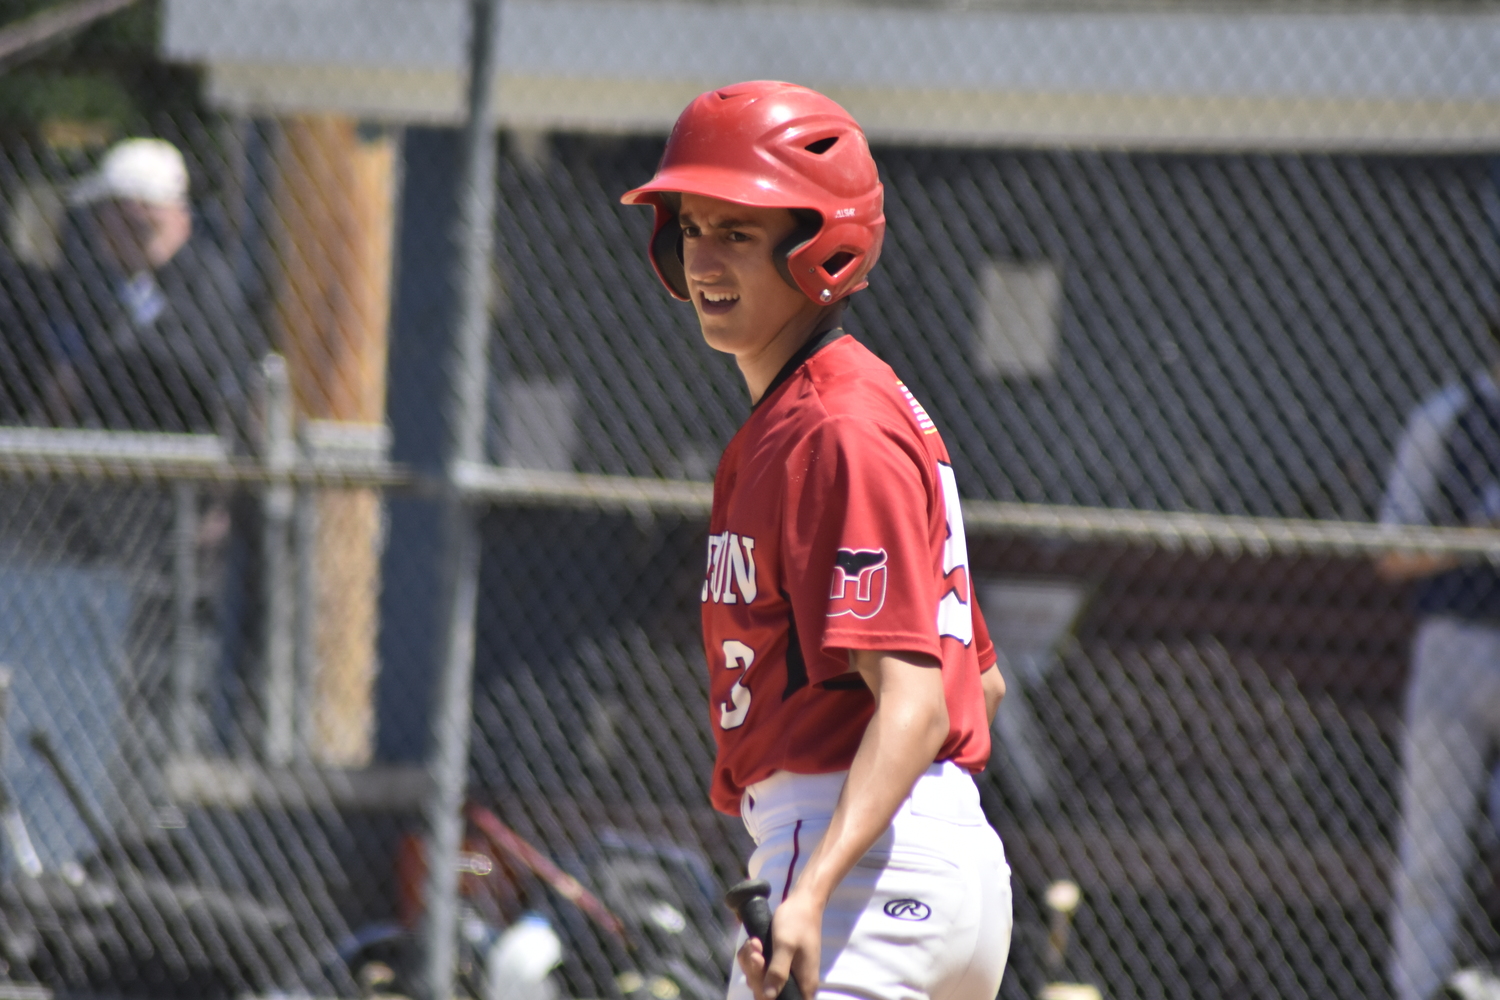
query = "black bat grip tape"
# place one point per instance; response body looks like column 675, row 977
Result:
column 748, row 899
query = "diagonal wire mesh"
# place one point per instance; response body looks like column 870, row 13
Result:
column 1185, row 329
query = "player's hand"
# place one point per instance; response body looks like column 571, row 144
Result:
column 796, row 948
column 752, row 960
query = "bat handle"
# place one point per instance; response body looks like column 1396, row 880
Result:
column 749, row 901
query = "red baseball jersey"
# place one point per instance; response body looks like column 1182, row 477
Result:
column 836, row 527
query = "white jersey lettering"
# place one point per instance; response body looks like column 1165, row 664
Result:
column 730, row 575
column 742, row 560
column 955, row 617
column 737, row 656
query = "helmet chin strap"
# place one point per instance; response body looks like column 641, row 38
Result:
column 831, row 318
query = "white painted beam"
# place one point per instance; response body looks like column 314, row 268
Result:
column 1233, row 79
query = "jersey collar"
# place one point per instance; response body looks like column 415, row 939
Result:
column 815, row 343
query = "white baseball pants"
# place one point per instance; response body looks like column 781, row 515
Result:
column 924, row 915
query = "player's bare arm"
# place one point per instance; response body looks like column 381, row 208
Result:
column 903, row 737
column 1399, row 567
column 993, row 683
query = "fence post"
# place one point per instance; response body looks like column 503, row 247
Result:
column 184, row 724
column 278, row 691
column 467, row 378
column 305, row 664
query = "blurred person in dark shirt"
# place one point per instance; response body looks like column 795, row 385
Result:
column 1446, row 473
column 147, row 327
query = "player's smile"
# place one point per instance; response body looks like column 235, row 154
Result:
column 716, row 303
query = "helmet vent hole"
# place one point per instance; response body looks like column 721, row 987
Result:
column 833, row 265
column 821, row 146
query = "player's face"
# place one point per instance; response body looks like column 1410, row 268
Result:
column 744, row 305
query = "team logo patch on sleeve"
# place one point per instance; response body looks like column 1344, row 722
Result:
column 858, row 583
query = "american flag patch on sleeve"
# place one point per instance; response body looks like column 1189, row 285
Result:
column 923, row 420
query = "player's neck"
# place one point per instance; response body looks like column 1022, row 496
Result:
column 761, row 368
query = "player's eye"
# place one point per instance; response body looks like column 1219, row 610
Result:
column 736, row 236
column 691, row 232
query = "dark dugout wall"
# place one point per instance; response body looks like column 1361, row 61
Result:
column 1237, row 333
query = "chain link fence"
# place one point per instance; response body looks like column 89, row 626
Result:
column 1219, row 404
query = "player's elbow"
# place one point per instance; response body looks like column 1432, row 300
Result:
column 911, row 702
column 920, row 711
column 937, row 733
column 930, row 719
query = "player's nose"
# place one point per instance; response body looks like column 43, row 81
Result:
column 703, row 261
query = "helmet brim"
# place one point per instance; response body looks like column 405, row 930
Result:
column 712, row 182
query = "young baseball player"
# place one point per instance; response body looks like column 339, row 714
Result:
column 852, row 677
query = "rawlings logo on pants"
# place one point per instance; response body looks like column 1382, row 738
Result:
column 858, row 583
column 908, row 909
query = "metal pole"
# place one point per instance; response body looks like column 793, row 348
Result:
column 279, row 683
column 184, row 723
column 305, row 626
column 468, row 376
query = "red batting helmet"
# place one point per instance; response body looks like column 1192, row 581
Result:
column 774, row 145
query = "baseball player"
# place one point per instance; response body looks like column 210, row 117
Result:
column 852, row 677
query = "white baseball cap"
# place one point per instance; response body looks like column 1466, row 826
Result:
column 148, row 170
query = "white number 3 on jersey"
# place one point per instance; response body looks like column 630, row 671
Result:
column 737, row 656
column 954, row 618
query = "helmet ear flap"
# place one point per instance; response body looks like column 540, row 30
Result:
column 666, row 251
column 809, row 224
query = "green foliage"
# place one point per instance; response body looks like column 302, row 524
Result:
column 131, row 31
column 13, row 10
column 107, row 77
column 40, row 97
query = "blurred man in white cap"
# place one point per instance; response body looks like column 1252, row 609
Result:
column 140, row 197
column 150, row 330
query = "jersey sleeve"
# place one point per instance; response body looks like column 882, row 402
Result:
column 858, row 526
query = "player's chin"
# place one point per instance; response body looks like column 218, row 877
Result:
column 721, row 333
